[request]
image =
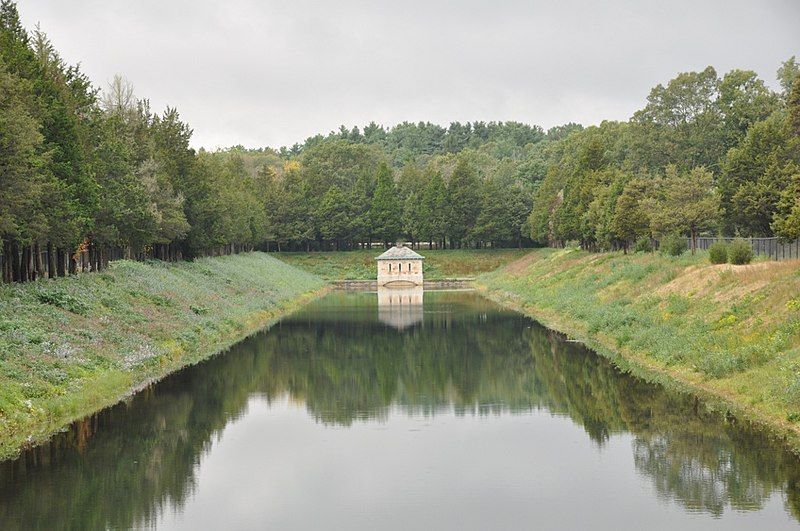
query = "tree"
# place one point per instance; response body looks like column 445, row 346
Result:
column 21, row 216
column 683, row 202
column 433, row 211
column 683, row 120
column 386, row 211
column 787, row 74
column 787, row 216
column 743, row 100
column 335, row 216
column 752, row 178
column 464, row 202
column 630, row 221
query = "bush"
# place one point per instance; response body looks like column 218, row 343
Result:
column 62, row 299
column 718, row 253
column 673, row 245
column 643, row 245
column 740, row 252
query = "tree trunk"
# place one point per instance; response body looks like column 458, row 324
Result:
column 15, row 263
column 37, row 253
column 73, row 263
column 7, row 274
column 26, row 264
column 51, row 261
column 60, row 270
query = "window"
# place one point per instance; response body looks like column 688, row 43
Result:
column 409, row 268
column 400, row 266
column 390, row 267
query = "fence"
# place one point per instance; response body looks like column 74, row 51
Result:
column 771, row 247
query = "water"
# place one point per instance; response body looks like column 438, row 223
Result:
column 452, row 415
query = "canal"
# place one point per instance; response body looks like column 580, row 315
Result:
column 404, row 411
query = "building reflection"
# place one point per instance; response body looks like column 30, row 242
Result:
column 400, row 307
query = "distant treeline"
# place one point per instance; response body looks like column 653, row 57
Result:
column 88, row 176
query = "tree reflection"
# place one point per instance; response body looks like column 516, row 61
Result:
column 121, row 468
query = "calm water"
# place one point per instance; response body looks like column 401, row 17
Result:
column 452, row 415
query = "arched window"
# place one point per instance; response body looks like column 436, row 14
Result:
column 409, row 268
column 400, row 267
column 390, row 267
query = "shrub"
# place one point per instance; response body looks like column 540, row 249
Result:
column 740, row 252
column 643, row 245
column 673, row 245
column 718, row 253
column 62, row 299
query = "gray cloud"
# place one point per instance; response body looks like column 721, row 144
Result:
column 273, row 73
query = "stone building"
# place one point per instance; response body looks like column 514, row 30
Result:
column 399, row 266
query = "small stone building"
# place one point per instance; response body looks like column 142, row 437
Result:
column 401, row 266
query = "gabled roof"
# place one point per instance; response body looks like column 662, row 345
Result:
column 400, row 253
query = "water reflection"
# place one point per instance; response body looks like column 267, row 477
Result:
column 338, row 358
column 400, row 307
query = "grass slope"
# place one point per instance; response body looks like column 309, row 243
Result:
column 360, row 265
column 729, row 332
column 71, row 346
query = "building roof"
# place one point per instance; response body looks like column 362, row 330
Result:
column 400, row 252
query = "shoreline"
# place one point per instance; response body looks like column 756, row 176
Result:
column 734, row 406
column 34, row 422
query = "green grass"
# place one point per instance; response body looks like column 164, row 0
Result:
column 731, row 332
column 71, row 346
column 438, row 265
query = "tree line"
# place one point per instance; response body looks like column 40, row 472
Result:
column 90, row 175
column 706, row 155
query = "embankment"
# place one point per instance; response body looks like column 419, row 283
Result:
column 71, row 346
column 439, row 264
column 730, row 334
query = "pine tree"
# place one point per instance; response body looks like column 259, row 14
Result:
column 386, row 211
column 464, row 202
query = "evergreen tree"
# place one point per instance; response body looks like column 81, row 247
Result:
column 386, row 212
column 464, row 202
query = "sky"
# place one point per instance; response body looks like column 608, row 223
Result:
column 268, row 73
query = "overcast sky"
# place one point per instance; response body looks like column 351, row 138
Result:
column 266, row 73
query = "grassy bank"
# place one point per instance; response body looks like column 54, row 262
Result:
column 71, row 346
column 722, row 331
column 439, row 265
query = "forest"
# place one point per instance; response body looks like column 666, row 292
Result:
column 88, row 175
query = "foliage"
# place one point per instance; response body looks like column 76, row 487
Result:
column 718, row 252
column 740, row 252
column 672, row 245
column 62, row 299
column 91, row 173
column 683, row 203
column 644, row 245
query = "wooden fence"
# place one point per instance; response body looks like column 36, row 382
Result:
column 771, row 247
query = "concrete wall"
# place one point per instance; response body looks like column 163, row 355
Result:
column 399, row 270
